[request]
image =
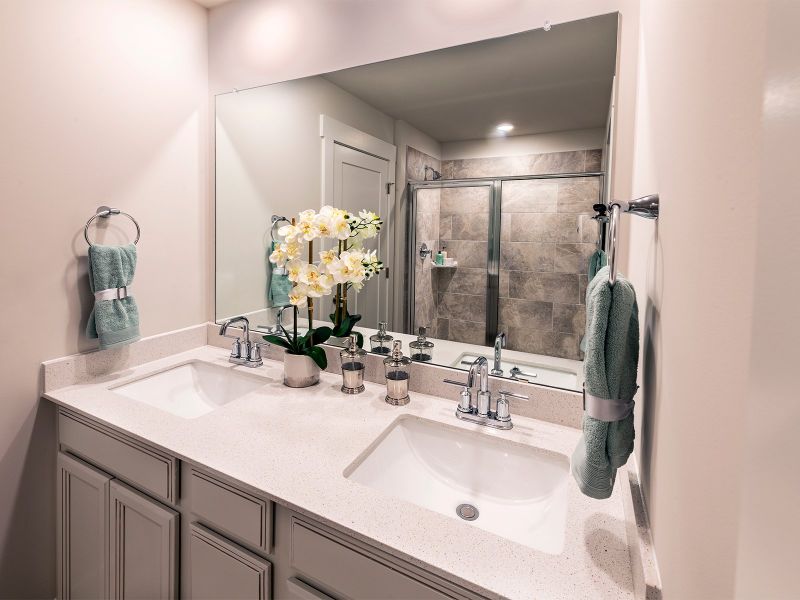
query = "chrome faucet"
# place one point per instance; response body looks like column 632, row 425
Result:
column 243, row 351
column 481, row 412
column 499, row 344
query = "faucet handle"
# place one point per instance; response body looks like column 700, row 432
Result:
column 465, row 398
column 254, row 356
column 503, row 412
column 504, row 394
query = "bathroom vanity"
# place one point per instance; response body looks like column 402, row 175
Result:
column 165, row 491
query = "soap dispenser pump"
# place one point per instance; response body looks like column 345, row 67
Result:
column 397, row 375
column 422, row 348
column 353, row 366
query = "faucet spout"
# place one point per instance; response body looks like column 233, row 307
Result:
column 499, row 344
column 223, row 330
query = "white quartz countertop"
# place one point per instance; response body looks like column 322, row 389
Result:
column 294, row 445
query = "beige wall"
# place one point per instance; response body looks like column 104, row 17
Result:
column 717, row 441
column 102, row 103
column 268, row 159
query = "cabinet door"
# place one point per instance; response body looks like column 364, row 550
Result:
column 220, row 569
column 144, row 537
column 82, row 530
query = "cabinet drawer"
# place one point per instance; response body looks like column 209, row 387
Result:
column 230, row 510
column 220, row 569
column 352, row 571
column 144, row 467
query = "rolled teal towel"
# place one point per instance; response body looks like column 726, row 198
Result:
column 279, row 285
column 610, row 365
column 114, row 322
column 279, row 288
column 597, row 261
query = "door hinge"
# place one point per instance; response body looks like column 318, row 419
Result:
column 389, row 187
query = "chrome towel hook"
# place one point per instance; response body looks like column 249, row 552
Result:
column 104, row 212
column 646, row 206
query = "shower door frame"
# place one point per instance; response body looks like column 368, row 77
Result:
column 495, row 185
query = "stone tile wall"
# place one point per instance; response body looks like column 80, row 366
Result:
column 547, row 236
column 427, row 231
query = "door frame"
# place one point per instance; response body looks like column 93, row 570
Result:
column 333, row 132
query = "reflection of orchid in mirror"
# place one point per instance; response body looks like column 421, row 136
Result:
column 349, row 266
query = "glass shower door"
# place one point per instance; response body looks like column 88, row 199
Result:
column 454, row 300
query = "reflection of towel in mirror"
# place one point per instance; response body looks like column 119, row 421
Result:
column 610, row 365
column 597, row 261
column 279, row 284
column 115, row 322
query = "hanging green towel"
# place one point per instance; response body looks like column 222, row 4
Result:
column 114, row 320
column 279, row 284
column 597, row 261
column 610, row 365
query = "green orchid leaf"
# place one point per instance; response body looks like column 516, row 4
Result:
column 321, row 335
column 317, row 354
column 292, row 341
column 278, row 341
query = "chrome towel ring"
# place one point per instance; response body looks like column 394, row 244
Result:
column 104, row 212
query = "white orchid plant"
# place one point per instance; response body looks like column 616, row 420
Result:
column 338, row 269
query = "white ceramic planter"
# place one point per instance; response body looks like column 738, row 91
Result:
column 299, row 371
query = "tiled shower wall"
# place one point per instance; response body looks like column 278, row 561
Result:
column 427, row 232
column 547, row 236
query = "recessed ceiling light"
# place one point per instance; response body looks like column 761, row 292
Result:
column 504, row 127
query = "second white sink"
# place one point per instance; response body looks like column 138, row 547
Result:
column 192, row 389
column 515, row 491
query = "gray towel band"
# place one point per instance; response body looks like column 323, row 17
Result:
column 606, row 409
column 113, row 293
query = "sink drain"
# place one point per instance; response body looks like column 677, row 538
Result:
column 467, row 512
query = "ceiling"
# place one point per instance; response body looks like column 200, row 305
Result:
column 541, row 81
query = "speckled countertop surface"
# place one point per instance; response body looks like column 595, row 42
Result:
column 294, row 445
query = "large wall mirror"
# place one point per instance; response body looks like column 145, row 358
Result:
column 484, row 161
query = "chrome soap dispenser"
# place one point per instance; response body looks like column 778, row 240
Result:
column 381, row 342
column 422, row 348
column 397, row 375
column 353, row 366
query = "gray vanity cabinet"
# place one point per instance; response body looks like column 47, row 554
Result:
column 113, row 542
column 135, row 522
column 221, row 569
column 144, row 546
column 83, row 504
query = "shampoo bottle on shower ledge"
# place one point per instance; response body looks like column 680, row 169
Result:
column 439, row 258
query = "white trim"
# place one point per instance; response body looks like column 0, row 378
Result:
column 335, row 132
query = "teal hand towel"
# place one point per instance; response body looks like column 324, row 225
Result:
column 597, row 261
column 114, row 322
column 610, row 365
column 279, row 285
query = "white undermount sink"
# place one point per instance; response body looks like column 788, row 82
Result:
column 515, row 491
column 192, row 389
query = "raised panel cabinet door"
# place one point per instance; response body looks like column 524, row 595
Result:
column 82, row 530
column 144, row 538
column 219, row 569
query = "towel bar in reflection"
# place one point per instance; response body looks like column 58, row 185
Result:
column 646, row 206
